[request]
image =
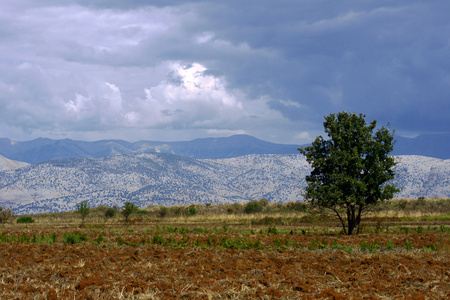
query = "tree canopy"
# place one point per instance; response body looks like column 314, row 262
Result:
column 351, row 170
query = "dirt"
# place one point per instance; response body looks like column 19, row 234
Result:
column 87, row 271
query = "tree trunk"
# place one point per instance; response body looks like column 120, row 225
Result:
column 342, row 221
column 358, row 219
column 351, row 219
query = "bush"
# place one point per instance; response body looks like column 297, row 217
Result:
column 110, row 213
column 263, row 202
column 191, row 210
column 253, row 206
column 25, row 219
column 74, row 238
column 163, row 211
column 297, row 206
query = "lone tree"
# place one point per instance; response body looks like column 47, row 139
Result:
column 83, row 208
column 128, row 209
column 351, row 169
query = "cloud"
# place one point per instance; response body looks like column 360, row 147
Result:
column 193, row 68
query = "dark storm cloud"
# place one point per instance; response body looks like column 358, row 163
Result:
column 151, row 69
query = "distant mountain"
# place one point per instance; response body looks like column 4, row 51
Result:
column 160, row 178
column 40, row 150
column 431, row 145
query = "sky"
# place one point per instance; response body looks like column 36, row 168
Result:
column 180, row 70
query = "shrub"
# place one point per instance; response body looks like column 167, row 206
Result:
column 163, row 211
column 25, row 219
column 264, row 202
column 253, row 206
column 403, row 203
column 176, row 210
column 297, row 206
column 110, row 213
column 191, row 210
column 74, row 238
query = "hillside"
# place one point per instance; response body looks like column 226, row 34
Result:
column 7, row 164
column 159, row 178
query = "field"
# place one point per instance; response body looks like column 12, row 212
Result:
column 215, row 252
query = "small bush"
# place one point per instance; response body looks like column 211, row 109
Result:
column 158, row 239
column 191, row 210
column 297, row 206
column 252, row 207
column 110, row 213
column 264, row 202
column 163, row 211
column 74, row 238
column 25, row 219
column 390, row 245
column 408, row 245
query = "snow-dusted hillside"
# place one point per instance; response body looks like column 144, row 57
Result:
column 149, row 179
column 7, row 164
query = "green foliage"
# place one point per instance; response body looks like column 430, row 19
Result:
column 74, row 238
column 253, row 206
column 372, row 248
column 191, row 210
column 390, row 245
column 83, row 208
column 110, row 213
column 351, row 169
column 163, row 211
column 408, row 245
column 263, row 202
column 272, row 230
column 25, row 219
column 158, row 239
column 100, row 239
column 128, row 209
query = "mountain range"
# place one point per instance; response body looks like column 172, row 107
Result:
column 166, row 179
column 42, row 149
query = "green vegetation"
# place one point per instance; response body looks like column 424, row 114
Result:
column 110, row 213
column 351, row 169
column 83, row 208
column 25, row 219
column 128, row 209
column 74, row 238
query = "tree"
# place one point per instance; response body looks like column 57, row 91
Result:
column 83, row 208
column 5, row 215
column 352, row 169
column 128, row 209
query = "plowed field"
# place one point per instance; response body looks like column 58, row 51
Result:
column 204, row 266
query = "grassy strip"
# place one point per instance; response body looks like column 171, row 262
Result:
column 218, row 242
